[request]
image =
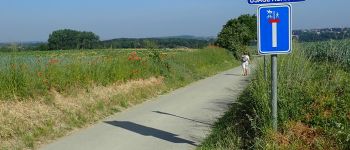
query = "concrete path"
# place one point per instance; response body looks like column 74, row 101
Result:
column 179, row 120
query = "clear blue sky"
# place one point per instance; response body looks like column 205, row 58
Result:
column 34, row 20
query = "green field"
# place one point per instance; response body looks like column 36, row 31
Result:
column 336, row 52
column 44, row 95
column 29, row 74
column 314, row 104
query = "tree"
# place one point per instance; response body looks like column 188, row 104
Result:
column 150, row 44
column 42, row 47
column 237, row 34
column 71, row 39
column 87, row 40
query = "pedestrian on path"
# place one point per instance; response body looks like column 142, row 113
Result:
column 245, row 64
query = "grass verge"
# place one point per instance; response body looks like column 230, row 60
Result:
column 314, row 108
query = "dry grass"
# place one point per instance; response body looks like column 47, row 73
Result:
column 18, row 117
column 38, row 120
column 300, row 136
column 84, row 99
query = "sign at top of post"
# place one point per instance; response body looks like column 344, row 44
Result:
column 272, row 1
column 275, row 29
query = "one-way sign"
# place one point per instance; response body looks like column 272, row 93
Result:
column 272, row 1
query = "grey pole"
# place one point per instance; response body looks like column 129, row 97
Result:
column 265, row 68
column 274, row 82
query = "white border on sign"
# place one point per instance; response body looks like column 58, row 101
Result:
column 290, row 29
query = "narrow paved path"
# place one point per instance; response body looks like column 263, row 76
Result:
column 179, row 120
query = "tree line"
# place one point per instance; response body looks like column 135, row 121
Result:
column 67, row 39
column 322, row 34
column 175, row 42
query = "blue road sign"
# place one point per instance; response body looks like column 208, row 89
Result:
column 275, row 29
column 272, row 1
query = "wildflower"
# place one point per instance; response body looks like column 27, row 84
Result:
column 46, row 82
column 134, row 53
column 135, row 71
column 133, row 57
column 163, row 56
column 38, row 61
column 53, row 61
column 40, row 74
column 137, row 58
column 94, row 62
column 24, row 66
column 13, row 66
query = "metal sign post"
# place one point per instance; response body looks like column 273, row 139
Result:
column 275, row 34
column 265, row 68
column 274, row 81
column 274, row 37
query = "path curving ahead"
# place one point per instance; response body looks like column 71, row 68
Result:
column 179, row 120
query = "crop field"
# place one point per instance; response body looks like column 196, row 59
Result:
column 44, row 95
column 335, row 51
column 29, row 74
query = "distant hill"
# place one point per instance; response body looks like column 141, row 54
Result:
column 184, row 41
column 188, row 37
column 22, row 44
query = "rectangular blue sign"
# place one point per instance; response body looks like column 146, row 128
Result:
column 274, row 29
column 272, row 1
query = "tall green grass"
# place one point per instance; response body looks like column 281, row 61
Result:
column 335, row 51
column 26, row 75
column 314, row 105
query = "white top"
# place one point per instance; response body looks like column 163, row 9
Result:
column 245, row 58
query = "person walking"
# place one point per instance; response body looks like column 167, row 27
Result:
column 245, row 64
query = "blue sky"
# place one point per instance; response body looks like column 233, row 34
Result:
column 34, row 20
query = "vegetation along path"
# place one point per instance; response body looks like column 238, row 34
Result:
column 178, row 120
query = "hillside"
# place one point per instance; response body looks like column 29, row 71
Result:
column 159, row 42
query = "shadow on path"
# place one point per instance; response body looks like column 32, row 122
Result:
column 164, row 113
column 148, row 131
column 231, row 74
